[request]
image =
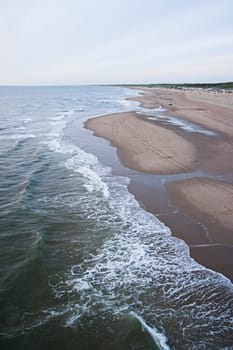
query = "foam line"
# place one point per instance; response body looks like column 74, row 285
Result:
column 159, row 338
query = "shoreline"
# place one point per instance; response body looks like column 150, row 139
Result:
column 195, row 152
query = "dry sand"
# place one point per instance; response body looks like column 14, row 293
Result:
column 144, row 146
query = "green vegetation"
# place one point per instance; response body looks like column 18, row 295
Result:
column 217, row 86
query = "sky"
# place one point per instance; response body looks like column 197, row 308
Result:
column 66, row 42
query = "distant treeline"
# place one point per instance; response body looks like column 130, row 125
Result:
column 219, row 86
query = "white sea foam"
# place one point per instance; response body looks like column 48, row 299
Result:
column 159, row 338
column 68, row 113
column 93, row 181
column 85, row 164
column 142, row 269
column 17, row 136
column 81, row 162
column 94, row 184
column 57, row 117
column 27, row 120
column 138, row 268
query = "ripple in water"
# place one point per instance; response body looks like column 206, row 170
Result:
column 82, row 262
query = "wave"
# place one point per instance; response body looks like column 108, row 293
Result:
column 86, row 164
column 138, row 269
column 16, row 137
column 142, row 269
column 159, row 338
column 94, row 184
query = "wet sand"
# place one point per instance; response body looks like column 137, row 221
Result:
column 164, row 149
column 211, row 199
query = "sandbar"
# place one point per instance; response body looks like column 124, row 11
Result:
column 143, row 146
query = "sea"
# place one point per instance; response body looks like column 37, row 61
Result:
column 82, row 264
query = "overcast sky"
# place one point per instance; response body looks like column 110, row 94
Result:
column 115, row 41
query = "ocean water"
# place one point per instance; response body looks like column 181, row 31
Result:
column 82, row 265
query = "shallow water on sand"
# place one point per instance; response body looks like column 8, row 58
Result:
column 82, row 264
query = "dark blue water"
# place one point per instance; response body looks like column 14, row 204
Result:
column 82, row 265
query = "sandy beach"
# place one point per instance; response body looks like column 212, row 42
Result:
column 160, row 148
column 209, row 109
column 209, row 199
column 144, row 146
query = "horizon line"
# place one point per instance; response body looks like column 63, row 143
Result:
column 114, row 84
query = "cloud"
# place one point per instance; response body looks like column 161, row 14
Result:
column 76, row 42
